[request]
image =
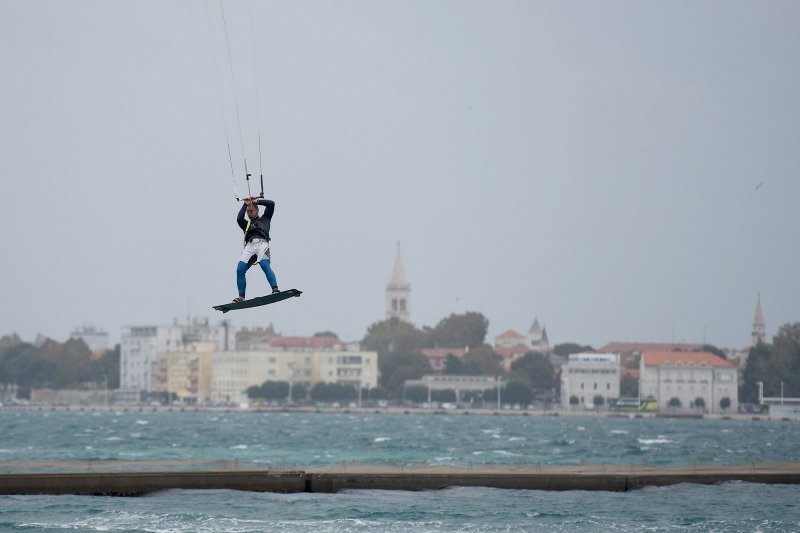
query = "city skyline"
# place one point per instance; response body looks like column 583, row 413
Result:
column 758, row 331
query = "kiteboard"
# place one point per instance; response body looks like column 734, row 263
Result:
column 259, row 301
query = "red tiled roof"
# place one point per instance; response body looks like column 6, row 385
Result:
column 435, row 353
column 511, row 351
column 641, row 347
column 659, row 358
column 304, row 342
column 510, row 334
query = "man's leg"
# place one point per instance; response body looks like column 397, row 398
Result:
column 265, row 266
column 241, row 281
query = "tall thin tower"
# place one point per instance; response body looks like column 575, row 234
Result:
column 398, row 292
column 759, row 327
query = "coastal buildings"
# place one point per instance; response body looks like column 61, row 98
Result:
column 141, row 345
column 689, row 382
column 187, row 373
column 296, row 360
column 587, row 375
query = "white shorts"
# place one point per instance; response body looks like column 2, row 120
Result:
column 258, row 248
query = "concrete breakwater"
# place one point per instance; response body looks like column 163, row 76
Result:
column 356, row 477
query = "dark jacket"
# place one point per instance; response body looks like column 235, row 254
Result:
column 258, row 228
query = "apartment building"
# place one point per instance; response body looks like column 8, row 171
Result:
column 586, row 375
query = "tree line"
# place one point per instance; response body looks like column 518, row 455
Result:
column 774, row 364
column 55, row 365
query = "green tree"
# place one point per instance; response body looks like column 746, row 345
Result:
column 674, row 402
column 24, row 366
column 328, row 334
column 416, row 393
column 458, row 331
column 598, row 401
column 453, row 365
column 299, row 392
column 725, row 403
column 377, row 393
column 574, row 400
column 398, row 344
column 713, row 349
column 758, row 369
column 393, row 336
column 104, row 370
column 786, row 361
column 566, row 348
column 518, row 391
column 700, row 403
column 774, row 364
column 398, row 368
column 8, row 341
column 333, row 392
column 539, row 370
column 629, row 386
column 72, row 362
column 270, row 390
column 483, row 361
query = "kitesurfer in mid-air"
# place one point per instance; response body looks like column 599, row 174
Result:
column 256, row 242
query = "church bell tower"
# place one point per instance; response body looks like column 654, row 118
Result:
column 759, row 327
column 398, row 292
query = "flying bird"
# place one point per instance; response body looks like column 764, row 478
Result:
column 759, row 185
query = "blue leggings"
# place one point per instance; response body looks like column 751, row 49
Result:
column 242, row 267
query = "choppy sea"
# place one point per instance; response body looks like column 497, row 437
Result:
column 59, row 441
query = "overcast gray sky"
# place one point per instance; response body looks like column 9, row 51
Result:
column 622, row 170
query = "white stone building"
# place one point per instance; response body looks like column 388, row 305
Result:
column 141, row 345
column 233, row 372
column 684, row 377
column 586, row 375
column 96, row 339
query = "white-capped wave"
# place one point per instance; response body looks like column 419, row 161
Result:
column 142, row 422
column 619, row 431
column 659, row 440
column 381, row 439
column 506, row 452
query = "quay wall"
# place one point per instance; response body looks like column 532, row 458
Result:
column 335, row 479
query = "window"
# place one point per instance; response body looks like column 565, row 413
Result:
column 608, row 386
column 595, row 385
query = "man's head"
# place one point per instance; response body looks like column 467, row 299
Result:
column 252, row 210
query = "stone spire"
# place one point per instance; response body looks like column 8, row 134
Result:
column 759, row 326
column 537, row 338
column 398, row 292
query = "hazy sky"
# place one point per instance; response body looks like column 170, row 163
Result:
column 622, row 170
